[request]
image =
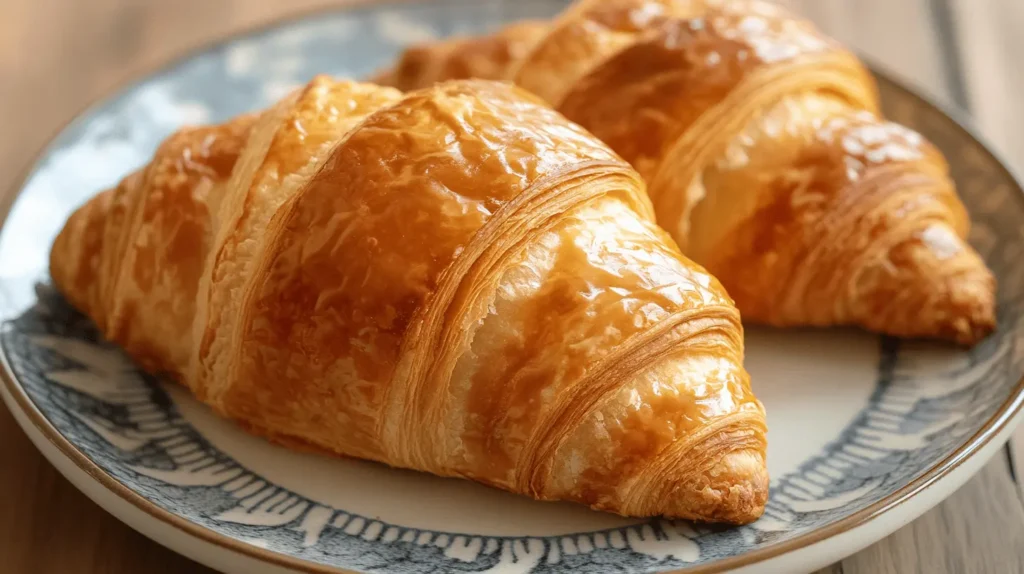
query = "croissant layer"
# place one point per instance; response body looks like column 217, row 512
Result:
column 457, row 280
column 765, row 155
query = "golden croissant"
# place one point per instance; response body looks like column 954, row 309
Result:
column 764, row 153
column 458, row 281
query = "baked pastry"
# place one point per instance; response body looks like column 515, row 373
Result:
column 764, row 153
column 457, row 280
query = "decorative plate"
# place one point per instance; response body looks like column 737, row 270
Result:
column 865, row 433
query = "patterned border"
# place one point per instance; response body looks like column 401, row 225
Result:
column 127, row 424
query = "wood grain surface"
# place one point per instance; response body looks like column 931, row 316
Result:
column 58, row 55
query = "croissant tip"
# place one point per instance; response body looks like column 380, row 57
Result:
column 970, row 329
column 964, row 325
column 733, row 491
column 930, row 297
column 968, row 311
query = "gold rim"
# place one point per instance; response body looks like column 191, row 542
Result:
column 940, row 470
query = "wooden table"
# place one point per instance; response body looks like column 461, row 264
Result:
column 57, row 55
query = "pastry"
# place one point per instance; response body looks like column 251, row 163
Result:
column 765, row 156
column 457, row 280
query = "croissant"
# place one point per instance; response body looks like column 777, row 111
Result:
column 458, row 281
column 764, row 153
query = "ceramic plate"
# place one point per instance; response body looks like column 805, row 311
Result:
column 865, row 433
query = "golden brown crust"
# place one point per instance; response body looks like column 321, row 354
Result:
column 458, row 281
column 724, row 108
column 132, row 258
column 482, row 57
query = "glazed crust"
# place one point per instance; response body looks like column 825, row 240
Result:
column 457, row 280
column 485, row 58
column 766, row 158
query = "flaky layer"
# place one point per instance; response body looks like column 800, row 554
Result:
column 575, row 421
column 680, row 88
column 132, row 258
column 458, row 281
column 845, row 204
column 288, row 145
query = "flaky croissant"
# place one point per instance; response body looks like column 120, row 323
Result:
column 457, row 280
column 764, row 153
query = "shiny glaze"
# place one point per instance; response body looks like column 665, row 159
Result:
column 158, row 219
column 487, row 58
column 677, row 87
column 82, row 254
column 290, row 143
column 832, row 177
column 363, row 246
column 656, row 100
column 460, row 281
column 560, row 310
column 586, row 34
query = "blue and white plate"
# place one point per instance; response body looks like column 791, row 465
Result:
column 865, row 433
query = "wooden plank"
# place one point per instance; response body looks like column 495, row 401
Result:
column 58, row 55
column 897, row 36
column 991, row 52
column 981, row 527
column 963, row 534
column 47, row 525
column 992, row 48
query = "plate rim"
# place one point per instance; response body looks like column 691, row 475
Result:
column 935, row 474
